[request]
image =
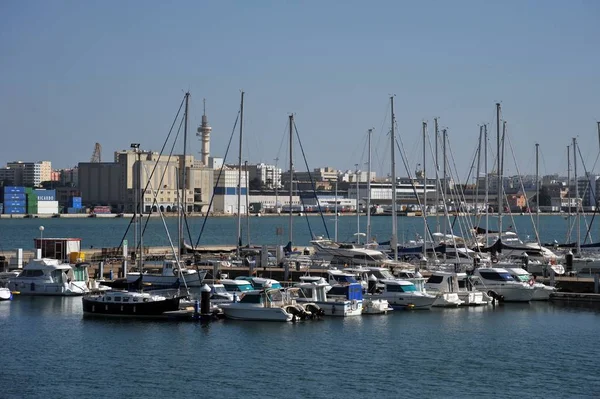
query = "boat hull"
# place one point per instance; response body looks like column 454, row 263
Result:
column 48, row 289
column 513, row 294
column 255, row 313
column 407, row 301
column 338, row 308
column 447, row 300
column 94, row 306
column 542, row 292
column 5, row 294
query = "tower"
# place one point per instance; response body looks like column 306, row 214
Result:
column 204, row 132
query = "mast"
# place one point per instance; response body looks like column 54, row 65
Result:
column 394, row 239
column 247, row 205
column 369, row 188
column 336, row 211
column 276, row 188
column 437, row 177
column 569, row 193
column 445, row 139
column 498, row 170
column 424, row 191
column 576, row 196
column 477, row 174
column 487, row 185
column 291, row 226
column 537, row 189
column 239, row 187
column 357, row 209
column 141, row 257
column 183, row 176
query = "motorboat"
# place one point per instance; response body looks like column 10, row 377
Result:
column 541, row 291
column 403, row 294
column 498, row 282
column 260, row 282
column 5, row 294
column 170, row 274
column 342, row 301
column 237, row 287
column 459, row 284
column 349, row 255
column 269, row 304
column 51, row 277
column 130, row 304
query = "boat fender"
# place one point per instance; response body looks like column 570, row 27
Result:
column 531, row 282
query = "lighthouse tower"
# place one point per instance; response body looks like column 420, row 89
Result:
column 204, row 132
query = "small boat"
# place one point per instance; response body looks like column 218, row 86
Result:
column 456, row 283
column 260, row 282
column 51, row 277
column 170, row 273
column 130, row 304
column 498, row 282
column 541, row 291
column 5, row 294
column 402, row 294
column 237, row 287
column 341, row 301
column 269, row 304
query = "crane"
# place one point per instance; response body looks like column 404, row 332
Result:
column 97, row 155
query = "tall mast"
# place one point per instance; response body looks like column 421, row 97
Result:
column 569, row 193
column 239, row 187
column 444, row 182
column 336, row 211
column 437, row 177
column 424, row 191
column 487, row 184
column 477, row 174
column 369, row 188
column 394, row 239
column 576, row 196
column 247, row 205
column 357, row 208
column 183, row 176
column 537, row 190
column 498, row 170
column 291, row 175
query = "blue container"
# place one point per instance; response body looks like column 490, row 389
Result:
column 14, row 196
column 73, row 210
column 45, row 195
column 14, row 189
column 14, row 210
column 75, row 202
column 14, row 203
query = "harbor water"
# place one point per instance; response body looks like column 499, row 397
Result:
column 538, row 350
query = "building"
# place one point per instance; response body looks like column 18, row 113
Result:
column 269, row 176
column 317, row 175
column 7, row 176
column 226, row 191
column 587, row 187
column 31, row 174
column 117, row 184
column 407, row 191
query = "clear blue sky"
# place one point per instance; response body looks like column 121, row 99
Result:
column 73, row 73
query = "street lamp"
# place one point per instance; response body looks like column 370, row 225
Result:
column 42, row 241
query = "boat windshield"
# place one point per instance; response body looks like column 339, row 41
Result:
column 239, row 287
column 345, row 279
column 496, row 276
column 522, row 277
column 219, row 290
column 401, row 288
column 383, row 274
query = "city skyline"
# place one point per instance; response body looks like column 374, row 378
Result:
column 70, row 82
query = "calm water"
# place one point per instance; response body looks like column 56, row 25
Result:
column 19, row 233
column 535, row 351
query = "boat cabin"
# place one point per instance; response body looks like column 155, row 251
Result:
column 398, row 286
column 260, row 282
column 352, row 291
column 237, row 286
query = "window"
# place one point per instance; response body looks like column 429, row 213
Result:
column 117, row 299
column 495, row 276
column 435, row 279
column 400, row 288
column 251, row 299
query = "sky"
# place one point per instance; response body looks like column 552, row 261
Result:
column 73, row 73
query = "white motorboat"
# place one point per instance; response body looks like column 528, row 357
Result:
column 541, row 291
column 5, row 294
column 265, row 305
column 403, row 294
column 170, row 274
column 237, row 287
column 342, row 302
column 498, row 281
column 260, row 282
column 459, row 284
column 50, row 277
column 349, row 255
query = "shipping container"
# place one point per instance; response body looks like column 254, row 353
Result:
column 13, row 196
column 14, row 189
column 14, row 210
column 45, row 195
column 102, row 209
column 47, row 204
column 14, row 203
column 72, row 210
column 75, row 202
column 47, row 211
column 32, row 210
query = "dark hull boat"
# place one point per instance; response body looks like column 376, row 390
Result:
column 129, row 304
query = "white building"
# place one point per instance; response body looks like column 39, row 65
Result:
column 268, row 175
column 226, row 191
column 406, row 191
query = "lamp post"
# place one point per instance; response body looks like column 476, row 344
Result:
column 42, row 241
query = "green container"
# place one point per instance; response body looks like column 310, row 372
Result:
column 28, row 190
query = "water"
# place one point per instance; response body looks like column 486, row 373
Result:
column 99, row 232
column 537, row 350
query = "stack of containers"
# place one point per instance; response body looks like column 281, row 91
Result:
column 47, row 203
column 14, row 200
column 32, row 201
column 75, row 205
